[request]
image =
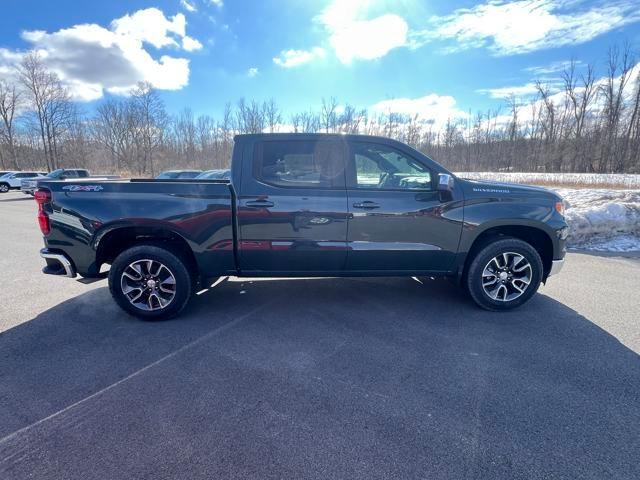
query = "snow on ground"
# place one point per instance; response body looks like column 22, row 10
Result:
column 596, row 180
column 603, row 215
column 602, row 220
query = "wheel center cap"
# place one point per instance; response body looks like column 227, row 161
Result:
column 503, row 275
column 151, row 283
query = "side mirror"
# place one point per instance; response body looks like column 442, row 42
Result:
column 62, row 177
column 445, row 186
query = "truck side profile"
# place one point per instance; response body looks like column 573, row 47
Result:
column 303, row 205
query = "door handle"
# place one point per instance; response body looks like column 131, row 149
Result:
column 367, row 204
column 259, row 203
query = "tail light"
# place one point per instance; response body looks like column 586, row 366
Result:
column 42, row 197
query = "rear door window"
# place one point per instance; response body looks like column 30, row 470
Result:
column 300, row 164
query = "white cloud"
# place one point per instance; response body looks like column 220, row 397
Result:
column 525, row 90
column 190, row 44
column 151, row 26
column 368, row 39
column 354, row 37
column 90, row 58
column 188, row 6
column 513, row 27
column 294, row 58
column 352, row 33
column 432, row 109
column 217, row 3
column 553, row 67
column 253, row 72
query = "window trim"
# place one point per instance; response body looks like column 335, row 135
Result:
column 258, row 155
column 352, row 173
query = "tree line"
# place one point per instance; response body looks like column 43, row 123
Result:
column 580, row 123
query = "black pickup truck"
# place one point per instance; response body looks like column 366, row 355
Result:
column 303, row 205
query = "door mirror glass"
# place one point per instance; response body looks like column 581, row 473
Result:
column 445, row 182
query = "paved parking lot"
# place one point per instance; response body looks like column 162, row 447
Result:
column 317, row 378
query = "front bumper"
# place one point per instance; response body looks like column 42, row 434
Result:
column 556, row 266
column 57, row 264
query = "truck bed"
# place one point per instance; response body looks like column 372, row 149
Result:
column 89, row 213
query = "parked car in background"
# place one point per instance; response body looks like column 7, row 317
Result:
column 300, row 205
column 13, row 180
column 28, row 185
column 178, row 174
column 224, row 174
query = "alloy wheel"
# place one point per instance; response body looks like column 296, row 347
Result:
column 148, row 284
column 506, row 276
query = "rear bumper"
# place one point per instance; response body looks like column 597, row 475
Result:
column 57, row 264
column 556, row 266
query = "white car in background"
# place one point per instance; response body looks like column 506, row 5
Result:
column 13, row 180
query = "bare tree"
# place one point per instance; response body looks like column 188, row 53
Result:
column 328, row 114
column 10, row 102
column 49, row 100
column 149, row 120
column 272, row 114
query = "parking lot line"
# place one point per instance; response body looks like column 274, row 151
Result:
column 140, row 371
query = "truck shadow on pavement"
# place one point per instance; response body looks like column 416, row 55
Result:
column 318, row 378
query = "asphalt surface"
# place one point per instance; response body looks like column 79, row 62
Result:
column 317, row 378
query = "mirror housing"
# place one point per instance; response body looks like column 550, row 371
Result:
column 445, row 186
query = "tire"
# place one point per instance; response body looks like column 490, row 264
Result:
column 504, row 275
column 160, row 276
column 4, row 187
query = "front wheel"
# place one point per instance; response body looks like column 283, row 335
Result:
column 150, row 282
column 4, row 187
column 504, row 274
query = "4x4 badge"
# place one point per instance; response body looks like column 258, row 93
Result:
column 83, row 188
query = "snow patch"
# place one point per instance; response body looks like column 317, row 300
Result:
column 604, row 220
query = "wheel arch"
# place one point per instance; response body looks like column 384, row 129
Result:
column 113, row 241
column 535, row 236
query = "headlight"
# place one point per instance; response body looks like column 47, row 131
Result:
column 560, row 208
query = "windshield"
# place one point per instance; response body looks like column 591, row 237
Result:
column 214, row 175
column 165, row 175
column 55, row 173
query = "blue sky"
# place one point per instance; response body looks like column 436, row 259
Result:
column 446, row 57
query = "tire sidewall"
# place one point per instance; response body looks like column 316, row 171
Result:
column 152, row 252
column 476, row 268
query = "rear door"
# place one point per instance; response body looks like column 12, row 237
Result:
column 397, row 221
column 292, row 206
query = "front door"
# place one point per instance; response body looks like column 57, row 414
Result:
column 397, row 221
column 292, row 212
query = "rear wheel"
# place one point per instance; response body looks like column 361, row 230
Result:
column 150, row 282
column 4, row 187
column 504, row 274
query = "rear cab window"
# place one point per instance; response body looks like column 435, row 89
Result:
column 300, row 163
